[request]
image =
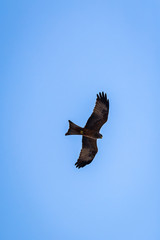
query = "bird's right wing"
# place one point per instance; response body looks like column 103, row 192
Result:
column 100, row 113
column 88, row 152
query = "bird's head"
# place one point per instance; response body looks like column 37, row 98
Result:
column 98, row 135
column 101, row 136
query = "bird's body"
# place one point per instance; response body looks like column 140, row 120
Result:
column 76, row 130
column 91, row 130
column 91, row 133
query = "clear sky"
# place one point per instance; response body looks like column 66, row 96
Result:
column 55, row 57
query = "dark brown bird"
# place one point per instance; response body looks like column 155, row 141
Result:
column 91, row 130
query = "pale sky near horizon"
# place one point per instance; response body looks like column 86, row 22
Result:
column 55, row 57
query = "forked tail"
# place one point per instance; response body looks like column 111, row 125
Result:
column 73, row 129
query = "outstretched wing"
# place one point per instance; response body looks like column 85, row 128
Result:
column 100, row 113
column 88, row 152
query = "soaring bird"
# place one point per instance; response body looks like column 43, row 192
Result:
column 91, row 130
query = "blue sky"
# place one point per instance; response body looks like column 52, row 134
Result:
column 55, row 57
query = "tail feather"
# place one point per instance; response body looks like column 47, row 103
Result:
column 73, row 129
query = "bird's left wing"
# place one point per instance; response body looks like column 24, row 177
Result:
column 88, row 152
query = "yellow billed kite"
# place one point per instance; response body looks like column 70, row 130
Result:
column 91, row 130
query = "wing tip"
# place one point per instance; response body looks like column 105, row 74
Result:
column 81, row 164
column 103, row 98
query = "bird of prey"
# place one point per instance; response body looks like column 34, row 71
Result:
column 91, row 130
